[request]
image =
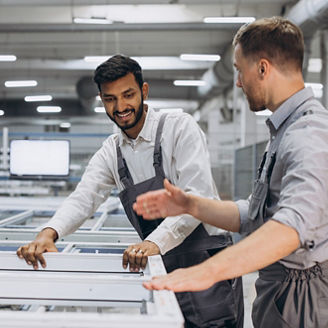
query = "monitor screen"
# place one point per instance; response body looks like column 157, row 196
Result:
column 39, row 158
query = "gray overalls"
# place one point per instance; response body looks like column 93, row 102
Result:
column 286, row 298
column 222, row 304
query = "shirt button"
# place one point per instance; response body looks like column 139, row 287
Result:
column 273, row 137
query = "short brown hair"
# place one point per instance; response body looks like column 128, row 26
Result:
column 276, row 39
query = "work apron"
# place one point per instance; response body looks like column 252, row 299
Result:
column 222, row 304
column 286, row 298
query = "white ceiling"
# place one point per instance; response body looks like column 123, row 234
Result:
column 50, row 48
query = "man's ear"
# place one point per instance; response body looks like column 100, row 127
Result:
column 145, row 90
column 263, row 67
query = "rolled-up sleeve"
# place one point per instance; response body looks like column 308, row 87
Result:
column 243, row 206
column 302, row 204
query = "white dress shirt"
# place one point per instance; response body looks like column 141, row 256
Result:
column 185, row 161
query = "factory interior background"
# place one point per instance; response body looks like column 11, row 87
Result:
column 185, row 50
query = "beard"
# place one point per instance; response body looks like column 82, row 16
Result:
column 138, row 115
column 255, row 105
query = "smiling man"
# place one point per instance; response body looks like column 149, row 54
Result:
column 149, row 147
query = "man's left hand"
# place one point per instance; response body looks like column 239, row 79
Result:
column 195, row 278
column 136, row 256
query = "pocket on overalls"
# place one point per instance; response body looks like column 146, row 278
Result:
column 257, row 203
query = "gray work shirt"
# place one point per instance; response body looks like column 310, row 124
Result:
column 298, row 188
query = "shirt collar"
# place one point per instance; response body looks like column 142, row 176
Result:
column 145, row 132
column 288, row 107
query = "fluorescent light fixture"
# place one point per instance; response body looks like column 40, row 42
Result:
column 80, row 20
column 200, row 57
column 2, row 112
column 171, row 110
column 158, row 103
column 65, row 125
column 317, row 86
column 8, row 58
column 229, row 20
column 95, row 59
column 99, row 109
column 315, row 65
column 49, row 109
column 153, row 62
column 265, row 112
column 18, row 84
column 192, row 83
column 38, row 98
column 317, row 89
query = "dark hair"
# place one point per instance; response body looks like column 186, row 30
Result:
column 116, row 67
column 276, row 39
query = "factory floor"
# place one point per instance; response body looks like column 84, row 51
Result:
column 249, row 296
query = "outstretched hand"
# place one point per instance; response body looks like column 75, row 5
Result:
column 195, row 278
column 162, row 203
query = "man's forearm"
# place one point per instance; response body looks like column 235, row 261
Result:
column 268, row 244
column 222, row 214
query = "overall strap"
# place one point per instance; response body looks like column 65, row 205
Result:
column 298, row 113
column 123, row 170
column 158, row 162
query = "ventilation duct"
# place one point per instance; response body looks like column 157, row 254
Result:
column 219, row 77
column 87, row 92
column 309, row 15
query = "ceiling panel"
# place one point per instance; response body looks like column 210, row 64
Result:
column 50, row 48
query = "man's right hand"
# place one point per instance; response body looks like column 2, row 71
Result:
column 32, row 252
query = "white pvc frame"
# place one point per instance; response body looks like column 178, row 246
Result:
column 84, row 280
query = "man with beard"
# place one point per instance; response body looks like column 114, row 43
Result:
column 286, row 214
column 149, row 147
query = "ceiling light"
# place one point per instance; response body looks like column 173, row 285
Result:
column 38, row 98
column 9, row 58
column 99, row 109
column 317, row 89
column 65, row 125
column 265, row 112
column 187, row 105
column 200, row 57
column 49, row 109
column 154, row 62
column 80, row 20
column 193, row 83
column 171, row 110
column 18, row 84
column 317, row 86
column 2, row 112
column 315, row 65
column 93, row 59
column 229, row 20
